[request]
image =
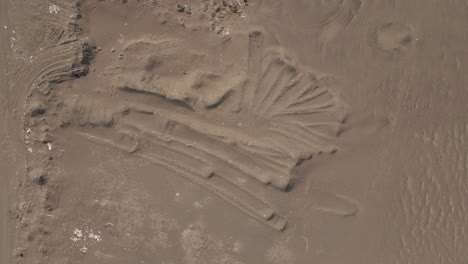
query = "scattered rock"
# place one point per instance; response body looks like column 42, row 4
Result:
column 153, row 2
column 234, row 7
column 54, row 9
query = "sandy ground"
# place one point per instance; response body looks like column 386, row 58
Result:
column 237, row 132
column 5, row 131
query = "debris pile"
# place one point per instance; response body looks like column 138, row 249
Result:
column 218, row 13
column 85, row 239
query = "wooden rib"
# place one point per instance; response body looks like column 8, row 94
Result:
column 281, row 80
column 316, row 133
column 254, row 67
column 309, row 95
column 143, row 109
column 302, row 135
column 127, row 148
column 313, row 106
column 279, row 89
column 246, row 163
column 297, row 149
column 200, row 166
column 276, row 158
column 314, row 136
column 273, row 71
column 260, row 211
column 307, row 110
column 253, row 165
column 237, row 197
column 231, row 174
column 305, row 84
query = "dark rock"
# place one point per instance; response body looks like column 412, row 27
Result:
column 38, row 176
column 180, row 8
column 79, row 72
column 36, row 108
column 42, row 180
column 88, row 54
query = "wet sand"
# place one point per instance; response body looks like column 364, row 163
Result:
column 267, row 132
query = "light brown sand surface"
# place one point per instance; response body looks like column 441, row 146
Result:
column 5, row 169
column 238, row 132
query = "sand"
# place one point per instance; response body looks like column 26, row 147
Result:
column 237, row 132
column 5, row 130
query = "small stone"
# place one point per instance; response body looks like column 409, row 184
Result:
column 180, row 8
column 64, row 123
column 113, row 50
column 181, row 22
column 44, row 128
column 120, row 56
column 45, row 138
column 219, row 30
column 124, row 109
column 204, row 7
column 163, row 19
